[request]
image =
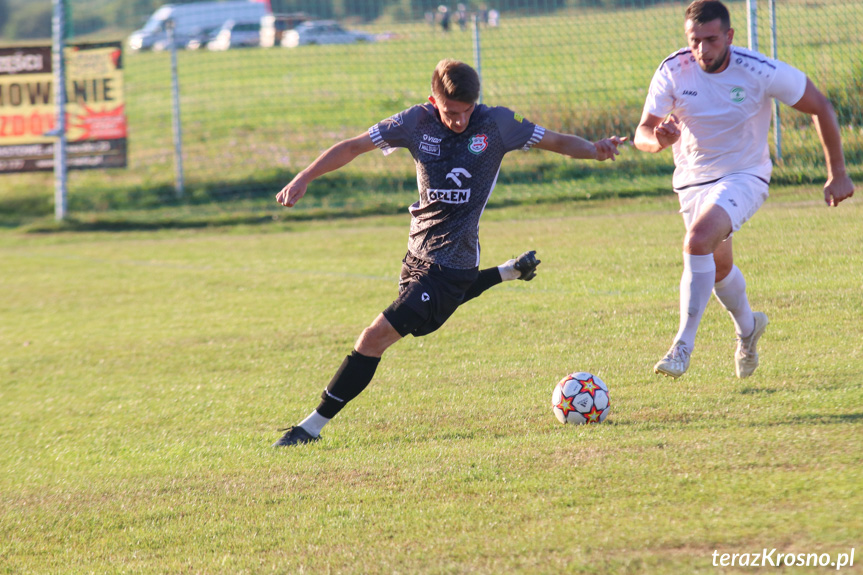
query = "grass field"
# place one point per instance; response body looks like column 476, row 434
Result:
column 143, row 376
column 150, row 347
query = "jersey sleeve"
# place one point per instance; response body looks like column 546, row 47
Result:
column 788, row 83
column 395, row 131
column 660, row 95
column 517, row 132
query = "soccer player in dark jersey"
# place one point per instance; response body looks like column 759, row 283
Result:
column 458, row 146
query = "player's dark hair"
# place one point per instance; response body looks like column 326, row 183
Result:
column 704, row 11
column 455, row 80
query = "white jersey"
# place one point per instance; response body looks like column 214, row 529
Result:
column 724, row 117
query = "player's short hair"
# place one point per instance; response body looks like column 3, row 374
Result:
column 455, row 80
column 704, row 11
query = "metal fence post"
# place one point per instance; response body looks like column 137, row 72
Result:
column 477, row 52
column 752, row 23
column 175, row 110
column 58, row 31
column 777, row 127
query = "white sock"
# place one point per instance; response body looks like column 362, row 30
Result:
column 696, row 283
column 314, row 423
column 508, row 271
column 731, row 293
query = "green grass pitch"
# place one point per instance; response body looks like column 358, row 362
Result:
column 143, row 376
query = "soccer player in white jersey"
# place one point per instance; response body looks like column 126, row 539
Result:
column 711, row 103
column 458, row 146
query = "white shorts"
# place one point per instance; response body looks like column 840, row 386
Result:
column 740, row 195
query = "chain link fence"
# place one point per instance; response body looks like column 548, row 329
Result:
column 252, row 115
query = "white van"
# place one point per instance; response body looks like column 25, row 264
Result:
column 192, row 20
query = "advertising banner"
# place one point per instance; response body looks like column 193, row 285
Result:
column 96, row 127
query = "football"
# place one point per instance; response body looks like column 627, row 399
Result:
column 580, row 398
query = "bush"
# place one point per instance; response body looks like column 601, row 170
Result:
column 30, row 22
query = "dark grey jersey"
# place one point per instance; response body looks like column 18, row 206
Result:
column 456, row 174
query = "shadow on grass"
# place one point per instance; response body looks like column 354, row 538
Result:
column 759, row 391
column 337, row 195
column 119, row 223
column 821, row 419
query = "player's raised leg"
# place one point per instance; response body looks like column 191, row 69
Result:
column 521, row 268
column 746, row 356
column 730, row 290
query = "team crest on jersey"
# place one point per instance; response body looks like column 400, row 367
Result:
column 738, row 94
column 478, row 144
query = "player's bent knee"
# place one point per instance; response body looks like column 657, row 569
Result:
column 375, row 339
column 699, row 243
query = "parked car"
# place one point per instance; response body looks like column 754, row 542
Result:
column 189, row 19
column 236, row 35
column 274, row 26
column 323, row 32
column 201, row 37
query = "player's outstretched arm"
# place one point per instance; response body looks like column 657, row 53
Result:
column 579, row 148
column 339, row 155
column 839, row 185
column 654, row 134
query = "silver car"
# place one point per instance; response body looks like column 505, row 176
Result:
column 235, row 35
column 323, row 32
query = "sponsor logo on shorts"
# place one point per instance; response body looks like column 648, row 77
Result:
column 478, row 144
column 425, row 297
column 518, row 117
column 738, row 94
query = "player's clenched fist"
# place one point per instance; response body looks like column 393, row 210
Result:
column 291, row 193
column 837, row 189
column 667, row 132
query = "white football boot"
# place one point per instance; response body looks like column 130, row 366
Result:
column 676, row 361
column 746, row 356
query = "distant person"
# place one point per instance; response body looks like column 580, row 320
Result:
column 444, row 17
column 711, row 102
column 461, row 16
column 482, row 15
column 458, row 146
column 493, row 18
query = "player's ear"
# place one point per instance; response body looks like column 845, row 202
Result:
column 432, row 100
column 730, row 35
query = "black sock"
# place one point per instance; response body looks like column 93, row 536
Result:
column 352, row 377
column 486, row 279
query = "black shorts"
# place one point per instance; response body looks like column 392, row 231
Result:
column 428, row 295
